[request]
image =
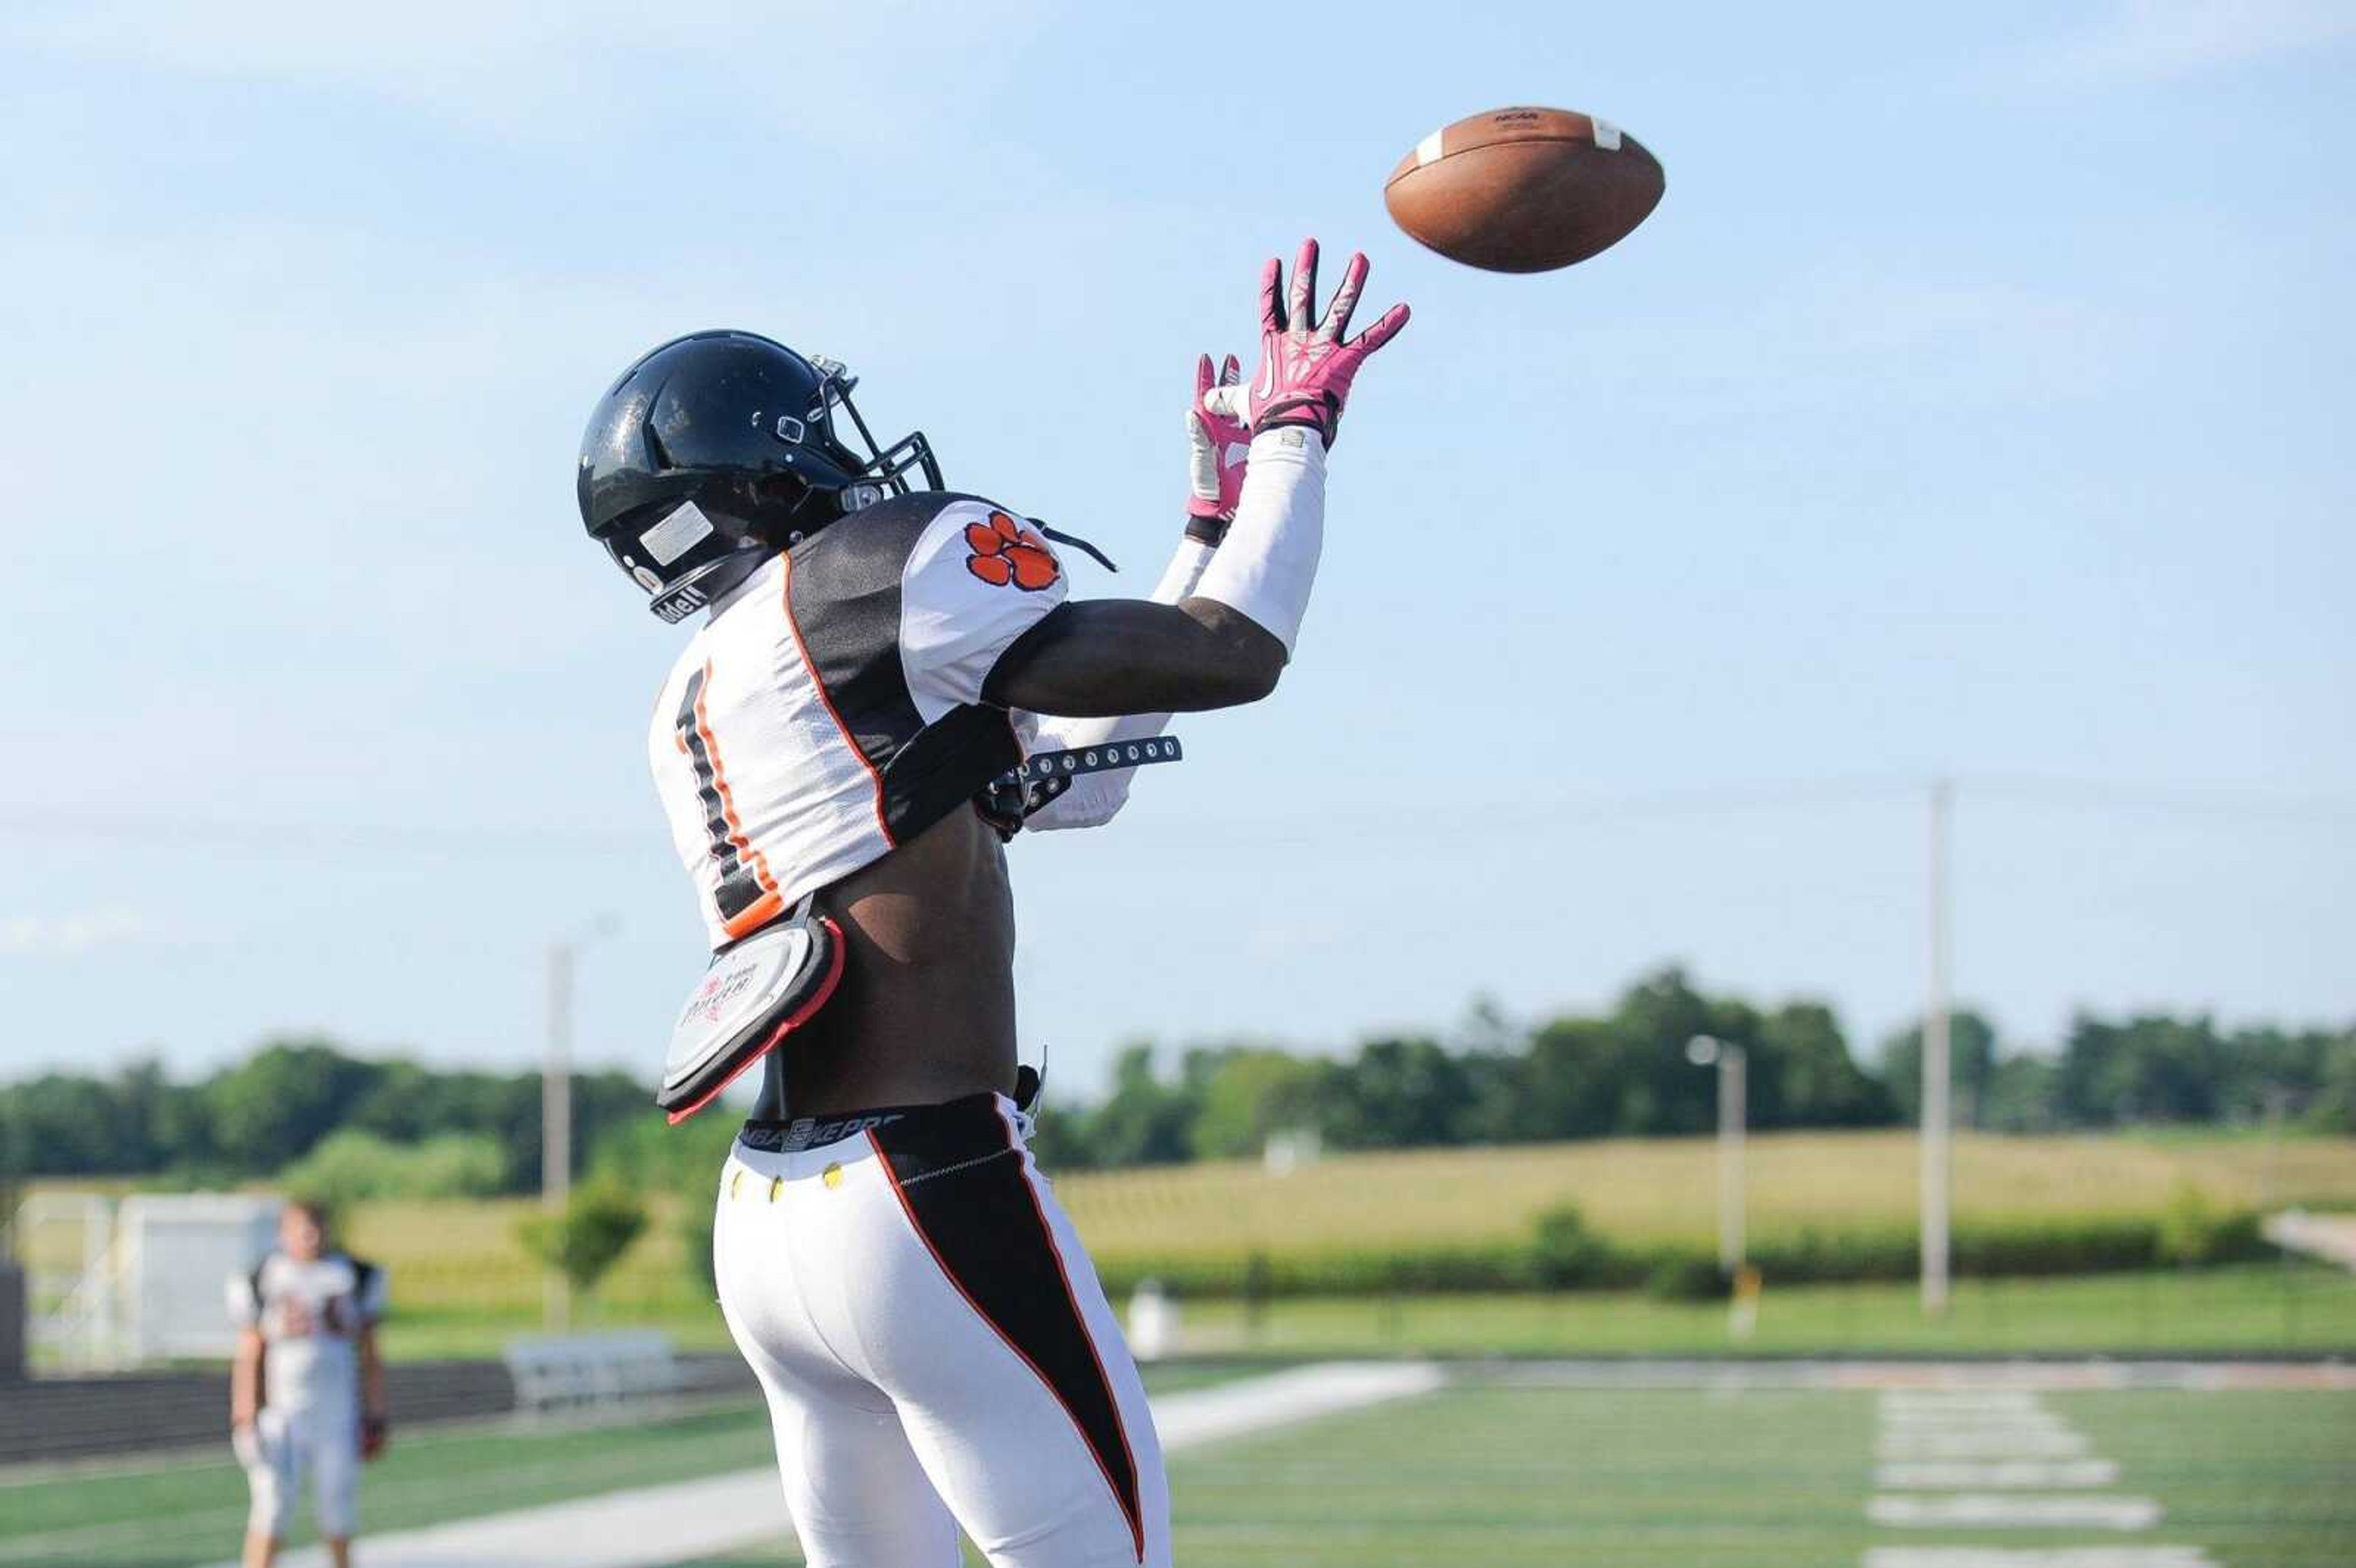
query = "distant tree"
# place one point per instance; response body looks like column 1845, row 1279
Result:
column 1144, row 1121
column 59, row 1125
column 1396, row 1093
column 1971, row 1066
column 2148, row 1069
column 352, row 1165
column 1246, row 1093
column 2334, row 1109
column 1568, row 1085
column 2024, row 1096
column 1813, row 1081
column 2269, row 1068
column 1658, row 1090
column 273, row 1106
column 1495, row 1083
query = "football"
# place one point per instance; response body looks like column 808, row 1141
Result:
column 1524, row 190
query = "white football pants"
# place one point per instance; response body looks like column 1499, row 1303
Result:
column 287, row 1443
column 934, row 1347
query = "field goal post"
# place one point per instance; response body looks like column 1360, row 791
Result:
column 116, row 1282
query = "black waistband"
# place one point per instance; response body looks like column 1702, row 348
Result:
column 794, row 1134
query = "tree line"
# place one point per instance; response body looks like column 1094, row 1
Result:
column 1625, row 1075
column 281, row 1105
column 1622, row 1073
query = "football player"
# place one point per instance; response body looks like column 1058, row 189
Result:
column 887, row 683
column 306, row 1390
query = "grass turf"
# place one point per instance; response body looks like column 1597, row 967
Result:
column 157, row 1513
column 1486, row 1473
column 2267, row 1308
column 2261, row 1308
column 1519, row 1478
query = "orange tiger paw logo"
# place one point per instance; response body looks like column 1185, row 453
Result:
column 1006, row 553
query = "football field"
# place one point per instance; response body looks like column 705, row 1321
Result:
column 1525, row 1476
column 1508, row 1466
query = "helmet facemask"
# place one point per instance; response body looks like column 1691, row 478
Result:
column 885, row 470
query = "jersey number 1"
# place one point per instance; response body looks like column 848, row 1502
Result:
column 746, row 896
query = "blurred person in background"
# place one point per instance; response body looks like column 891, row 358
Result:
column 306, row 1390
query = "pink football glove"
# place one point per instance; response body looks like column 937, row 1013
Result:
column 1216, row 446
column 1305, row 367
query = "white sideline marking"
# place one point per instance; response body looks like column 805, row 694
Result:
column 2013, row 1511
column 1962, row 1474
column 1915, row 1421
column 2036, row 1557
column 1230, row 1410
column 1897, row 1400
column 649, row 1526
column 2064, row 1444
column 1932, row 1379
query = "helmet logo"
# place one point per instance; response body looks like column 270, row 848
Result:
column 684, row 528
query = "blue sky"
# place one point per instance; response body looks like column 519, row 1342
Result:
column 1976, row 402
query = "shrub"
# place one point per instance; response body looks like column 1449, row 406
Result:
column 1687, row 1276
column 351, row 1166
column 2193, row 1233
column 589, row 1238
column 1564, row 1253
column 1567, row 1254
column 649, row 1155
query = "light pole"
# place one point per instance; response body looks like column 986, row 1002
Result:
column 1704, row 1050
column 556, row 1100
column 1938, row 1117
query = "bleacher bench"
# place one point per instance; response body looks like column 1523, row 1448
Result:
column 557, row 1370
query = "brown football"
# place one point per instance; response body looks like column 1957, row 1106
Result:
column 1524, row 190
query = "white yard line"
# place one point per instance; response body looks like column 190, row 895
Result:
column 1932, row 1379
column 649, row 1526
column 1964, row 1475
column 1998, row 1459
column 1966, row 1410
column 2011, row 1510
column 1925, row 1402
column 1965, row 1444
column 2039, row 1557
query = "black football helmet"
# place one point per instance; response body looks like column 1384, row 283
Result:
column 718, row 449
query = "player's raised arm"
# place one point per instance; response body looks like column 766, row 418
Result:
column 1227, row 641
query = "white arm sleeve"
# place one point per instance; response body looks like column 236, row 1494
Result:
column 1094, row 799
column 1269, row 560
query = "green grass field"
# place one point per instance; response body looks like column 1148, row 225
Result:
column 1530, row 1478
column 182, row 1508
column 1486, row 1473
column 2266, row 1308
column 173, row 1513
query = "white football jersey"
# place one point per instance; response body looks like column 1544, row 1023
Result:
column 310, row 1316
column 830, row 708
